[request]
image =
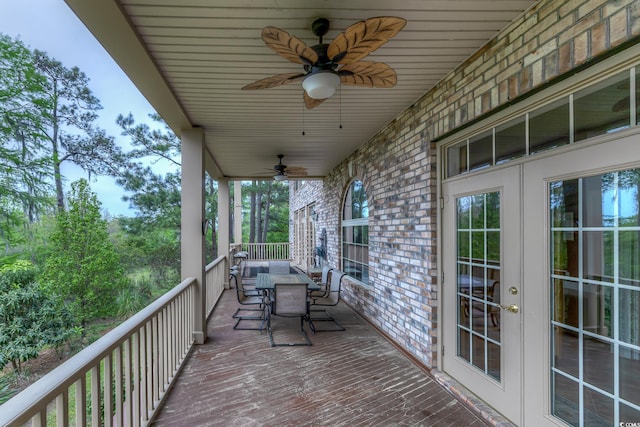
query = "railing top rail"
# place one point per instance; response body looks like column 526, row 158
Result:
column 22, row 407
column 215, row 262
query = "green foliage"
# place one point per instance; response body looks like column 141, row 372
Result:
column 150, row 143
column 134, row 298
column 24, row 106
column 156, row 197
column 84, row 269
column 5, row 391
column 268, row 206
column 29, row 318
column 153, row 235
column 158, row 249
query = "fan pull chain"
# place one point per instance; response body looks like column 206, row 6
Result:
column 340, row 108
column 303, row 118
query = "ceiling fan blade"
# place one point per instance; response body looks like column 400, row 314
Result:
column 296, row 170
column 368, row 74
column 362, row 38
column 273, row 81
column 288, row 46
column 310, row 102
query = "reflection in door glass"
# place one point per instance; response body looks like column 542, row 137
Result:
column 595, row 299
column 478, row 281
column 602, row 107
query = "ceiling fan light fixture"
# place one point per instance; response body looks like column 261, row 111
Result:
column 321, row 85
column 280, row 177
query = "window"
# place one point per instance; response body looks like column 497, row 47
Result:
column 355, row 233
column 598, row 109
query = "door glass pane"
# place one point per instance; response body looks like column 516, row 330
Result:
column 595, row 297
column 597, row 353
column 565, row 398
column 478, row 281
column 629, row 413
column 602, row 108
column 629, row 360
column 598, row 409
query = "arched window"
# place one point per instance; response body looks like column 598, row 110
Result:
column 355, row 233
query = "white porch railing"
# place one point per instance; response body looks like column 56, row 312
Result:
column 267, row 251
column 216, row 274
column 121, row 379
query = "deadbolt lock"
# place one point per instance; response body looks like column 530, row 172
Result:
column 513, row 290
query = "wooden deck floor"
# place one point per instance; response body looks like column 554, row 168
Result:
column 350, row 378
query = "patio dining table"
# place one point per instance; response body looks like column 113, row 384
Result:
column 266, row 281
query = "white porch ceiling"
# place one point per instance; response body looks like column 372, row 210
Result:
column 190, row 58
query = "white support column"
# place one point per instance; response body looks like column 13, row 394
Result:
column 224, row 202
column 237, row 212
column 192, row 246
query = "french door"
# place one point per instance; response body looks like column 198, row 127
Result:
column 482, row 339
column 582, row 287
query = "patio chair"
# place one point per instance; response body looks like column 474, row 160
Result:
column 324, row 283
column 240, row 260
column 251, row 298
column 236, row 275
column 331, row 299
column 289, row 300
column 279, row 267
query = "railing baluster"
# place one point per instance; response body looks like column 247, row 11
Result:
column 128, row 392
column 172, row 339
column 81, row 401
column 160, row 363
column 108, row 390
column 165, row 356
column 62, row 408
column 142, row 381
column 96, row 410
column 118, row 376
column 135, row 383
column 39, row 419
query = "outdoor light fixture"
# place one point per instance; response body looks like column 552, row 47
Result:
column 321, row 85
column 280, row 177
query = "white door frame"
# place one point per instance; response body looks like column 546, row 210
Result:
column 505, row 394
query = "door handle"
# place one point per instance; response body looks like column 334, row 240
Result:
column 512, row 308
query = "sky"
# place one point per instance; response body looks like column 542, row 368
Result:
column 50, row 26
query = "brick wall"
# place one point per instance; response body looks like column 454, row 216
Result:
column 398, row 165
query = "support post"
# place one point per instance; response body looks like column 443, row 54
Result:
column 192, row 247
column 237, row 212
column 224, row 203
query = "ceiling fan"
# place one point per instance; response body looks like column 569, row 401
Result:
column 284, row 172
column 328, row 65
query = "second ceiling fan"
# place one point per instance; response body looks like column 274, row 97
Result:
column 284, row 172
column 326, row 66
